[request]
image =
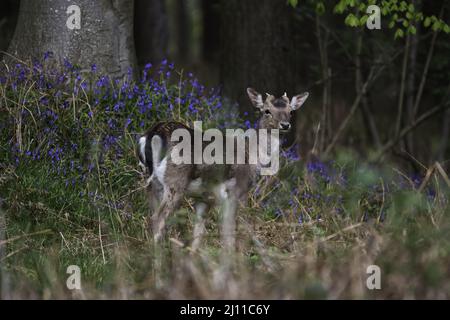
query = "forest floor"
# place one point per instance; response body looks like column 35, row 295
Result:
column 72, row 194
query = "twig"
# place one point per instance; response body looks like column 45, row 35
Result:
column 425, row 70
column 352, row 112
column 341, row 231
column 402, row 88
column 3, row 242
column 100, row 238
column 372, row 128
column 443, row 173
column 427, row 178
column 387, row 146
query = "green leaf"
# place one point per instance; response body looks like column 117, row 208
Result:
column 391, row 24
column 340, row 7
column 398, row 34
column 412, row 29
column 293, row 3
column 363, row 20
column 427, row 22
column 436, row 25
column 447, row 28
column 320, row 8
column 351, row 20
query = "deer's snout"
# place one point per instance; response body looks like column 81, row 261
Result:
column 285, row 126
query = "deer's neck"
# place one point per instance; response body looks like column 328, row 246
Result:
column 268, row 148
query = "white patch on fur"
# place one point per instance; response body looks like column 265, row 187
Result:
column 231, row 183
column 160, row 170
column 195, row 185
column 200, row 208
column 156, row 150
column 265, row 153
column 142, row 143
column 259, row 102
column 223, row 191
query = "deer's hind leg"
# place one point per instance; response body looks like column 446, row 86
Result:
column 154, row 194
column 175, row 182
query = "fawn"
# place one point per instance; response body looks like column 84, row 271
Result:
column 169, row 182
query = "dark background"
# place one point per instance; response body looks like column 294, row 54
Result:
column 272, row 46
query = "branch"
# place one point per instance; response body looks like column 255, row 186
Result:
column 425, row 116
column 426, row 68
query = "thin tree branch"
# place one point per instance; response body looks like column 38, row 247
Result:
column 402, row 88
column 424, row 75
column 391, row 143
column 426, row 68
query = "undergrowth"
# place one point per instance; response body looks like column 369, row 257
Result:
column 71, row 193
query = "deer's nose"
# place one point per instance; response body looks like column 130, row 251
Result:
column 285, row 125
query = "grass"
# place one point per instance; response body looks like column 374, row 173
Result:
column 71, row 193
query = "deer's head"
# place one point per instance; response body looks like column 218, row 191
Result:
column 276, row 112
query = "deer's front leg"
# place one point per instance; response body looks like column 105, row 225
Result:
column 199, row 228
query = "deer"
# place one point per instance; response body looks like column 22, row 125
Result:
column 169, row 182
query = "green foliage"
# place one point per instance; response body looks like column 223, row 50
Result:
column 303, row 232
column 401, row 15
column 293, row 3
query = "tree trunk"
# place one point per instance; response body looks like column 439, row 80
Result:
column 150, row 31
column 211, row 30
column 9, row 10
column 258, row 49
column 104, row 39
column 183, row 28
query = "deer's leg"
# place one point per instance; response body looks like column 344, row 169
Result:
column 228, row 199
column 154, row 195
column 175, row 182
column 199, row 228
column 170, row 202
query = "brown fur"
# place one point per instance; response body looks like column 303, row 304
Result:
column 178, row 180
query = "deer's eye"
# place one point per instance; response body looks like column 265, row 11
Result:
column 267, row 112
column 291, row 113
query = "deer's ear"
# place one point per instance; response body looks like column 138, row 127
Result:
column 255, row 98
column 298, row 100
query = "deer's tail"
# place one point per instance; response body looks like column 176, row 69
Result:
column 149, row 153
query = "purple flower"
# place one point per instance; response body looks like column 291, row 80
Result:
column 48, row 54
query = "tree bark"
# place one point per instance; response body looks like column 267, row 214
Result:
column 104, row 39
column 258, row 49
column 150, row 31
column 9, row 10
